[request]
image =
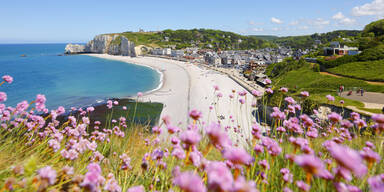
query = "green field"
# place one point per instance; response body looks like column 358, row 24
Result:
column 369, row 70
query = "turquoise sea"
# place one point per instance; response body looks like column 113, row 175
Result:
column 74, row 80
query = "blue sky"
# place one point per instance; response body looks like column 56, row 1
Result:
column 26, row 21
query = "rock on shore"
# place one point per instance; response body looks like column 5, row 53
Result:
column 109, row 44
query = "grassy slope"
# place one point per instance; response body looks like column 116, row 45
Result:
column 370, row 70
column 321, row 85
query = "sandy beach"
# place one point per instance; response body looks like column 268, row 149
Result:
column 187, row 86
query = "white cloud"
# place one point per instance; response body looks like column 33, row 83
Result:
column 255, row 23
column 303, row 27
column 375, row 8
column 276, row 29
column 342, row 19
column 276, row 20
column 338, row 16
column 319, row 22
column 257, row 29
column 294, row 22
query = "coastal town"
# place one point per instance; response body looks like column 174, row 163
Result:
column 249, row 65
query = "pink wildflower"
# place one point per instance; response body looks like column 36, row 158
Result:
column 348, row 158
column 219, row 177
column 3, row 96
column 330, row 98
column 311, row 164
column 40, row 102
column 139, row 188
column 303, row 186
column 8, row 79
column 304, row 94
column 189, row 182
column 256, row 93
column 93, row 178
column 284, row 89
column 237, row 156
column 376, row 183
column 109, row 104
column 269, row 91
column 48, row 174
column 242, row 185
column 217, row 136
column 335, row 117
column 290, row 100
column 139, row 94
column 190, row 137
column 264, row 163
column 112, row 185
column 195, row 114
column 370, row 156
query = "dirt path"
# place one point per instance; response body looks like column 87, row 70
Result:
column 340, row 76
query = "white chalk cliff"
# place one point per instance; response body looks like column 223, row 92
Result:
column 110, row 44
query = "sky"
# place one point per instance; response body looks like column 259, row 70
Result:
column 76, row 21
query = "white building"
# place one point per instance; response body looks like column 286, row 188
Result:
column 177, row 53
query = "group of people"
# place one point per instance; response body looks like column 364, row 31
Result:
column 358, row 91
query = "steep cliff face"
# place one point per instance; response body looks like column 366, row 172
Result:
column 110, row 44
column 73, row 48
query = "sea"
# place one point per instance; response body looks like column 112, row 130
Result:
column 69, row 80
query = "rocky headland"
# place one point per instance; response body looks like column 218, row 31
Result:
column 104, row 44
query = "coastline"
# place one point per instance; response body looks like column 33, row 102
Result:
column 161, row 75
column 187, row 86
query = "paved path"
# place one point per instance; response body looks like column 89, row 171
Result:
column 369, row 97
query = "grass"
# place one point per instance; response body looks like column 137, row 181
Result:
column 378, row 111
column 368, row 70
column 305, row 79
column 138, row 113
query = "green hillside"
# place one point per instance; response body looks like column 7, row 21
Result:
column 307, row 41
column 368, row 70
column 202, row 38
column 266, row 37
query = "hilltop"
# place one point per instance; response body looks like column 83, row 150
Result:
column 202, row 38
column 307, row 41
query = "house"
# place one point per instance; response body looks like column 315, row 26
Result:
column 157, row 51
column 161, row 51
column 167, row 51
column 177, row 53
column 336, row 49
column 212, row 58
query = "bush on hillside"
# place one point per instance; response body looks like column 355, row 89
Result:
column 287, row 65
column 377, row 28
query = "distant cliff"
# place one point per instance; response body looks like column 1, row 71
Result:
column 110, row 44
